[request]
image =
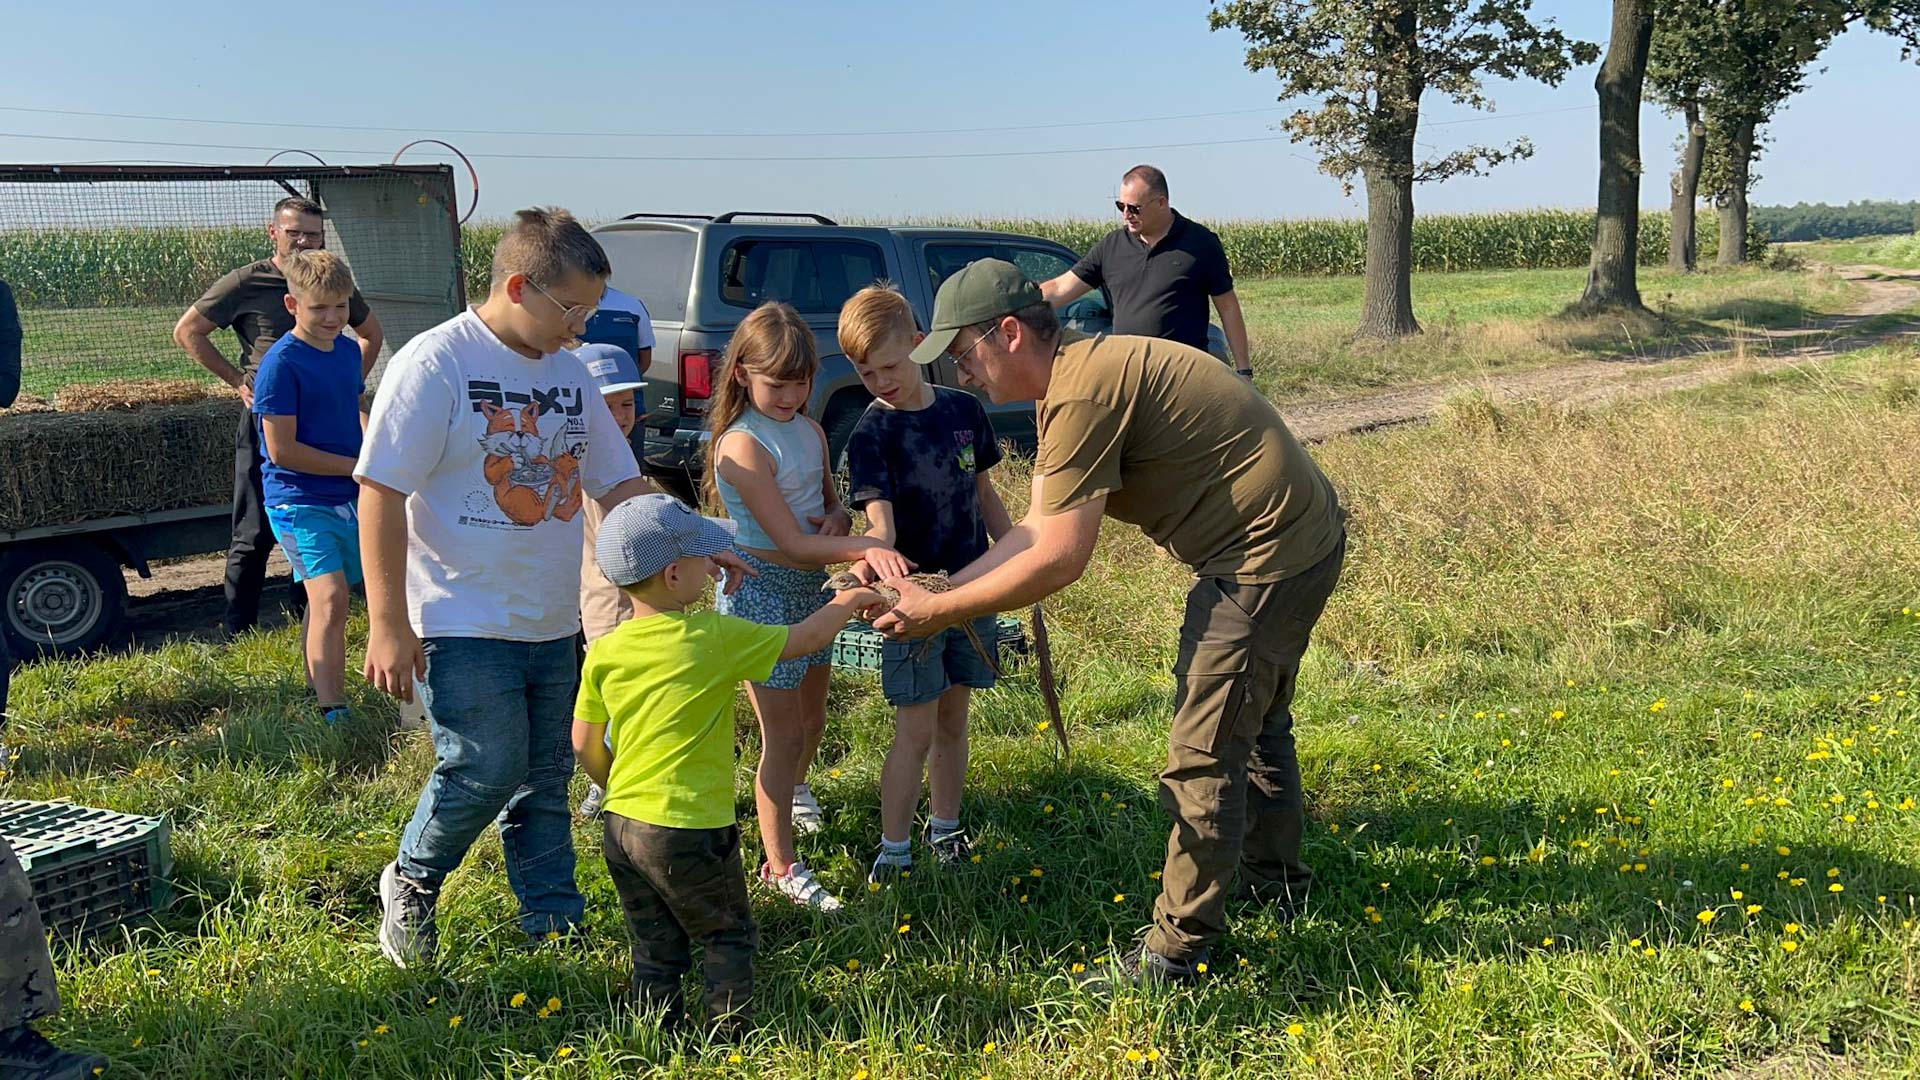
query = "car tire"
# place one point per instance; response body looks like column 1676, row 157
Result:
column 60, row 598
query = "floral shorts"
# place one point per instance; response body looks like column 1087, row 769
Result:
column 780, row 596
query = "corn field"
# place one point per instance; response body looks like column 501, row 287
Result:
column 123, row 267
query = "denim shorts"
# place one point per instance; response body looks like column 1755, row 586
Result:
column 780, row 596
column 916, row 672
column 318, row 540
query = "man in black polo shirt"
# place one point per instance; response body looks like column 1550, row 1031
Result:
column 1160, row 269
column 253, row 301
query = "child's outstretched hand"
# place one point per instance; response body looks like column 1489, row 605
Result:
column 886, row 564
column 866, row 602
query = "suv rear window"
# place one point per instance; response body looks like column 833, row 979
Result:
column 655, row 265
column 815, row 276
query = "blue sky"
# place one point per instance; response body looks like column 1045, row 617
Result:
column 728, row 70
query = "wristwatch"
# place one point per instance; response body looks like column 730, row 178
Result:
column 1245, row 373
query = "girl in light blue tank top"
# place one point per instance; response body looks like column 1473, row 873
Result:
column 767, row 465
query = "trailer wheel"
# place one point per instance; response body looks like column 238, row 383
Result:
column 61, row 598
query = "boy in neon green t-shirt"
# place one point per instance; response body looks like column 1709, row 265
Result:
column 661, row 686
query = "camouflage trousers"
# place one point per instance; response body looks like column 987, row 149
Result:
column 678, row 887
column 26, row 968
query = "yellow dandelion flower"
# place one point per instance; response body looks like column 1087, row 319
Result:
column 1035, row 872
column 1650, row 951
column 903, row 928
column 1784, row 850
column 1047, row 809
column 1155, row 875
column 733, row 1059
column 1078, row 968
column 1754, row 909
column 853, row 964
column 1546, row 941
column 553, row 1004
column 1136, row 1056
column 1746, row 1005
column 1296, row 1029
column 990, row 1047
column 381, row 1029
column 1706, row 917
column 1635, row 942
column 454, row 1020
column 1833, row 871
column 1791, row 928
column 1836, row 887
column 567, row 1052
column 1789, row 946
column 1119, row 897
column 1559, row 714
column 1488, row 860
column 1153, row 1055
column 1201, row 967
column 517, row 1000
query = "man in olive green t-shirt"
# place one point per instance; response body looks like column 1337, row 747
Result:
column 1163, row 436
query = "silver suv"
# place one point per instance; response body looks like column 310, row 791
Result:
column 699, row 276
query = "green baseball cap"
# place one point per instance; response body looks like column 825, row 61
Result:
column 984, row 289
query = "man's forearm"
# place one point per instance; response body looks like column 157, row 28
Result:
column 1029, row 577
column 202, row 348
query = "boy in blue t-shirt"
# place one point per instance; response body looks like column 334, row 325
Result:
column 306, row 393
column 917, row 465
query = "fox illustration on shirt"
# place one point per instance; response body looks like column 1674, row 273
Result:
column 533, row 479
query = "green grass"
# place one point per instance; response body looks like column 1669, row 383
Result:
column 73, row 345
column 1490, row 320
column 1896, row 252
column 1675, row 637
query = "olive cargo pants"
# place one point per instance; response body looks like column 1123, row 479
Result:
column 679, row 886
column 1232, row 782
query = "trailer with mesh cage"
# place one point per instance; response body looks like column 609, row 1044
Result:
column 102, row 261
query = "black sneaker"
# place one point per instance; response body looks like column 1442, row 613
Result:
column 953, row 848
column 1140, row 968
column 407, row 932
column 25, row 1054
column 888, row 869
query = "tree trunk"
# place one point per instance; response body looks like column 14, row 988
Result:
column 1733, row 216
column 1683, row 249
column 1611, row 276
column 1387, row 311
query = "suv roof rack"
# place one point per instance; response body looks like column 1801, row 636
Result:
column 674, row 217
column 734, row 215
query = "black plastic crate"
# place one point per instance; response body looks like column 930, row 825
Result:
column 90, row 869
column 857, row 648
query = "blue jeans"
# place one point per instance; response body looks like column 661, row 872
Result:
column 501, row 713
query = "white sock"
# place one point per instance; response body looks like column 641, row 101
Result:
column 939, row 826
column 896, row 851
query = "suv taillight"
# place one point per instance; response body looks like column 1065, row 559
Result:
column 696, row 379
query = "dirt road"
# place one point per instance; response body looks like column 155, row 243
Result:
column 185, row 597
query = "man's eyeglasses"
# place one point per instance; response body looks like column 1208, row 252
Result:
column 960, row 357
column 577, row 313
column 1129, row 208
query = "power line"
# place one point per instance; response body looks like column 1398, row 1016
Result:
column 428, row 130
column 667, row 157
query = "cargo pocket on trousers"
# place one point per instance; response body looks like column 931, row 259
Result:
column 1211, row 695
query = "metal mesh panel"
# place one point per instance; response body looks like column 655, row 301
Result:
column 103, row 261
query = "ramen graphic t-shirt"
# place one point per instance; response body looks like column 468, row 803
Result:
column 496, row 454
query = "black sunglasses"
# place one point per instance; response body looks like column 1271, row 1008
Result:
column 1128, row 207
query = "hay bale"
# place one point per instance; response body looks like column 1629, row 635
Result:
column 128, row 394
column 75, row 466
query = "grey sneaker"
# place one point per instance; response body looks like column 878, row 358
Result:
column 1140, row 968
column 808, row 815
column 407, row 931
column 590, row 806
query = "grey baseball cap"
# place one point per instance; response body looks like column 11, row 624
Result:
column 641, row 536
column 612, row 367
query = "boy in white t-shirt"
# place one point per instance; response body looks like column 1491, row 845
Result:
column 485, row 440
